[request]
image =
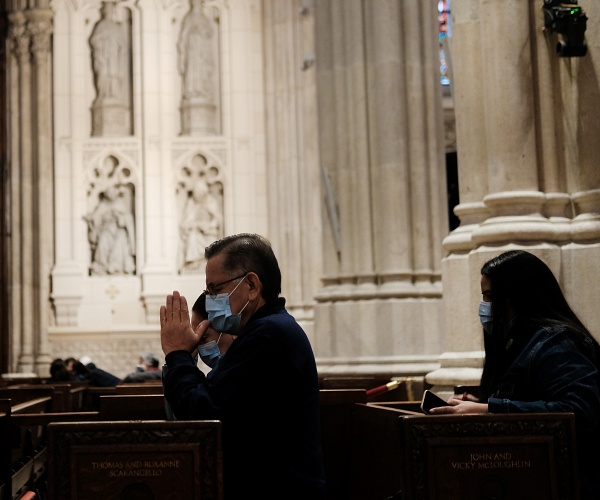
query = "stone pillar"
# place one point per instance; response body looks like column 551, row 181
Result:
column 293, row 175
column 381, row 142
column 19, row 102
column 72, row 125
column 525, row 122
column 159, row 113
column 40, row 26
column 31, row 186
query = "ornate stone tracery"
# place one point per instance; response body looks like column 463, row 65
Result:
column 111, row 218
column 200, row 207
column 110, row 44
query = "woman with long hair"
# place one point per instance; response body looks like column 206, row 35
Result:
column 539, row 357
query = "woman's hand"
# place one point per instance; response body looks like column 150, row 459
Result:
column 460, row 407
column 465, row 396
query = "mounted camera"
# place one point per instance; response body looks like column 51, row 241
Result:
column 570, row 21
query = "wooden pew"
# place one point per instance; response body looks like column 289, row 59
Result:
column 25, row 466
column 401, row 454
column 408, row 388
column 407, row 407
column 337, row 413
column 151, row 387
column 92, row 397
column 135, row 460
column 5, row 452
column 132, row 407
column 515, row 456
column 376, row 463
column 66, row 396
column 22, row 457
column 23, row 394
column 8, row 379
column 24, row 430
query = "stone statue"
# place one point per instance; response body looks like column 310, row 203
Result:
column 200, row 224
column 111, row 235
column 110, row 48
column 196, row 54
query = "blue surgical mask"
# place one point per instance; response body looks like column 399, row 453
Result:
column 210, row 353
column 485, row 315
column 220, row 315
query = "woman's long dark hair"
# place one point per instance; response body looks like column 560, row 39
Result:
column 524, row 292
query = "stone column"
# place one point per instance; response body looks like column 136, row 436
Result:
column 381, row 141
column 19, row 42
column 31, row 219
column 578, row 157
column 72, row 125
column 293, row 175
column 159, row 112
column 22, row 321
column 40, row 27
column 525, row 122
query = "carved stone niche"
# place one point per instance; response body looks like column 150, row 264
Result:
column 111, row 217
column 110, row 44
column 199, row 63
column 200, row 206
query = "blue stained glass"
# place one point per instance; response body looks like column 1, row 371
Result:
column 444, row 31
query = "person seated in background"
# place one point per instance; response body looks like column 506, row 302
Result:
column 539, row 357
column 58, row 371
column 85, row 370
column 141, row 365
column 151, row 371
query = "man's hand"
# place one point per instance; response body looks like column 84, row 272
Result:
column 176, row 331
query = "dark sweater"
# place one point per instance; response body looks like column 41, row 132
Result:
column 265, row 391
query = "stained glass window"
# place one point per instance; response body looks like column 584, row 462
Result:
column 444, row 34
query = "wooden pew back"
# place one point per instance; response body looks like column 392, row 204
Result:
column 22, row 455
column 402, row 454
column 337, row 413
column 469, row 457
column 133, row 407
column 150, row 387
column 113, row 460
column 65, row 396
column 19, row 394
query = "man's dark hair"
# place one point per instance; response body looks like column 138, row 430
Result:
column 245, row 253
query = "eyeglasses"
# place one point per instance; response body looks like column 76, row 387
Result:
column 215, row 288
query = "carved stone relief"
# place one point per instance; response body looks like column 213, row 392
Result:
column 110, row 43
column 111, row 219
column 200, row 204
column 199, row 68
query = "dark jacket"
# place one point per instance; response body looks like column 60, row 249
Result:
column 101, row 378
column 555, row 369
column 265, row 391
column 144, row 376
